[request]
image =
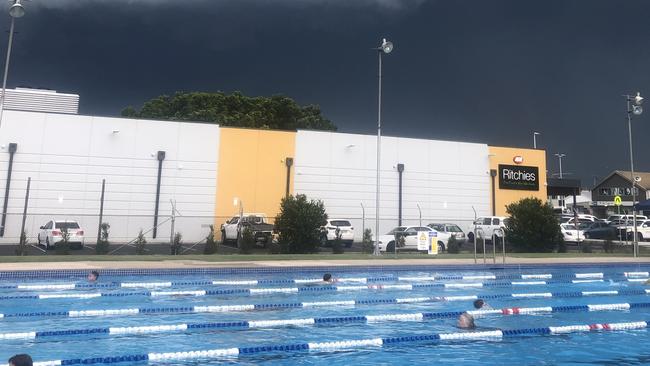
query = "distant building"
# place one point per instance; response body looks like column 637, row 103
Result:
column 619, row 183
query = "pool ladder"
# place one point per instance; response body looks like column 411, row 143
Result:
column 497, row 233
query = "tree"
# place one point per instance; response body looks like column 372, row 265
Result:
column 276, row 112
column 532, row 227
column 299, row 224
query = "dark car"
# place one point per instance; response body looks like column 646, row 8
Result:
column 600, row 230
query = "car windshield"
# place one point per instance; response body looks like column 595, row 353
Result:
column 340, row 223
column 454, row 229
column 439, row 227
column 67, row 225
column 396, row 230
column 569, row 227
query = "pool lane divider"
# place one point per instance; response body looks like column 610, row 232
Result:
column 167, row 284
column 255, row 324
column 296, row 305
column 303, row 289
column 349, row 344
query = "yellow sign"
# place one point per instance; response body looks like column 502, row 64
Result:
column 423, row 240
column 618, row 200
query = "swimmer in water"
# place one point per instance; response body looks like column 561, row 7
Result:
column 466, row 321
column 93, row 276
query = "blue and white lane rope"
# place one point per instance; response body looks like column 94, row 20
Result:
column 347, row 344
column 275, row 323
column 294, row 305
column 164, row 284
column 304, row 289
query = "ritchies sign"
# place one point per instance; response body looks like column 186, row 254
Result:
column 518, row 177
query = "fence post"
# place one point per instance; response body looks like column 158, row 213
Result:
column 101, row 212
column 22, row 226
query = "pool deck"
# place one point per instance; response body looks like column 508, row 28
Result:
column 176, row 264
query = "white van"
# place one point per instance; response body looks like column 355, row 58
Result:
column 488, row 224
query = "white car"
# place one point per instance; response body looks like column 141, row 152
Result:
column 571, row 234
column 52, row 233
column 487, row 225
column 624, row 217
column 387, row 241
column 643, row 230
column 345, row 230
column 451, row 229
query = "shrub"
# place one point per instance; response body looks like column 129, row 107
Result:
column 63, row 246
column 140, row 243
column 337, row 244
column 211, row 245
column 103, row 244
column 367, row 244
column 532, row 226
column 299, row 224
column 22, row 245
column 177, row 244
column 246, row 241
column 453, row 245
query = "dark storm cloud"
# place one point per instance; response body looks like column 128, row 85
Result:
column 470, row 70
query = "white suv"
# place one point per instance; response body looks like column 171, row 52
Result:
column 52, row 233
column 345, row 230
column 488, row 224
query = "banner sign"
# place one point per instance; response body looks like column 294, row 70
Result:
column 518, row 177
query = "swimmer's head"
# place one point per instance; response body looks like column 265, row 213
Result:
column 466, row 321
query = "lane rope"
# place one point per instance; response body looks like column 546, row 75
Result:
column 349, row 344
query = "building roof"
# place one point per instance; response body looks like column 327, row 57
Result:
column 626, row 174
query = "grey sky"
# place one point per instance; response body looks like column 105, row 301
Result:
column 470, row 70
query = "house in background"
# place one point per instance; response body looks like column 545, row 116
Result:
column 619, row 183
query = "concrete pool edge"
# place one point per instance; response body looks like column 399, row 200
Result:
column 190, row 264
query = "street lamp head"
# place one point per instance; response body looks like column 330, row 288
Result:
column 386, row 46
column 637, row 110
column 17, row 10
column 638, row 99
column 536, row 133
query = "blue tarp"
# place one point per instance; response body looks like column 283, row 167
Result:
column 643, row 206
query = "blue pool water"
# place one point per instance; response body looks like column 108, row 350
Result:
column 153, row 320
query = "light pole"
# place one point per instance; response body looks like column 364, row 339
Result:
column 535, row 134
column 633, row 108
column 15, row 11
column 560, row 156
column 385, row 47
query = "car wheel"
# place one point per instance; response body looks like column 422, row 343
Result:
column 223, row 237
column 639, row 237
column 470, row 238
column 47, row 243
column 441, row 246
column 587, row 236
column 390, row 247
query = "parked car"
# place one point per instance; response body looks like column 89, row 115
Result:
column 52, row 233
column 599, row 230
column 624, row 217
column 451, row 229
column 571, row 233
column 345, row 230
column 488, row 224
column 625, row 229
column 387, row 241
column 257, row 223
column 643, row 230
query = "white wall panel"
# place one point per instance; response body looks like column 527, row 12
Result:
column 67, row 156
column 445, row 178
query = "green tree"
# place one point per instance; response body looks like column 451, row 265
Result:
column 532, row 227
column 276, row 112
column 299, row 224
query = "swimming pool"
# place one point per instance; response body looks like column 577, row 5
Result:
column 591, row 315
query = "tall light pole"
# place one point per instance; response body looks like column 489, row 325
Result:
column 535, row 139
column 385, row 47
column 633, row 108
column 15, row 11
column 560, row 156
